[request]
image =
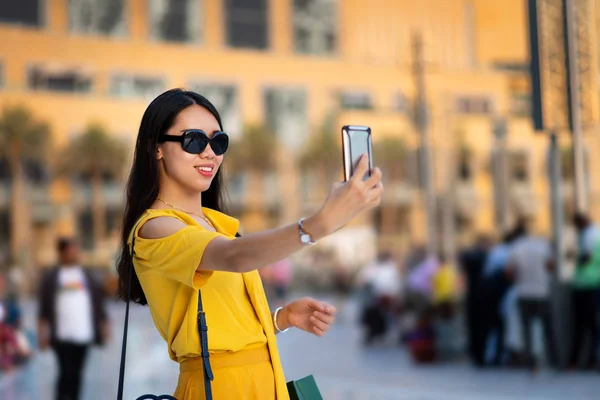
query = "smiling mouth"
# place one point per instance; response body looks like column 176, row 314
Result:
column 205, row 169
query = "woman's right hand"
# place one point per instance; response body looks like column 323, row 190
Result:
column 348, row 199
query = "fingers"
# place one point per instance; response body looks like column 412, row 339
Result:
column 320, row 306
column 374, row 195
column 374, row 179
column 361, row 168
column 318, row 331
column 321, row 322
column 322, row 317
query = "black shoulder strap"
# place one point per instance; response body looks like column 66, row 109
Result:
column 126, row 326
column 203, row 330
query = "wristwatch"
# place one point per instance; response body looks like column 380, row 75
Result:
column 305, row 237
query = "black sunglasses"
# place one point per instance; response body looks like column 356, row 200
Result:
column 194, row 141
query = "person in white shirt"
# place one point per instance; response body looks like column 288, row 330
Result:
column 382, row 282
column 72, row 317
column 529, row 265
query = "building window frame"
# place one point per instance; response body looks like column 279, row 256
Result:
column 238, row 17
column 350, row 99
column 519, row 166
column 289, row 139
column 43, row 11
column 295, row 19
column 474, row 104
column 118, row 34
column 65, row 70
column 231, row 117
column 200, row 33
column 133, row 76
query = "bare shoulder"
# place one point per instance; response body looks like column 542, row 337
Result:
column 160, row 227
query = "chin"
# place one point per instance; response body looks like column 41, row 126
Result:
column 202, row 186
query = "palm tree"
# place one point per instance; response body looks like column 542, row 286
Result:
column 22, row 138
column 389, row 153
column 95, row 154
column 255, row 150
column 253, row 156
column 323, row 153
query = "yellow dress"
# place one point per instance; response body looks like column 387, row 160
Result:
column 241, row 337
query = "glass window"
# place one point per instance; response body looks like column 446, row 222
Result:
column 136, row 86
column 85, row 229
column 518, row 166
column 315, row 26
column 98, row 17
column 247, row 23
column 35, row 172
column 286, row 115
column 59, row 79
column 175, row 20
column 25, row 12
column 225, row 99
column 355, row 100
column 474, row 105
column 401, row 103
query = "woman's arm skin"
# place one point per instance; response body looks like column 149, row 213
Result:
column 256, row 250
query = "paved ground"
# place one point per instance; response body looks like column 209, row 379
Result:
column 342, row 368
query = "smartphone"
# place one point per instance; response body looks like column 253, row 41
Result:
column 356, row 141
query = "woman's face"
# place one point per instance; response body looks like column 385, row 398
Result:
column 194, row 172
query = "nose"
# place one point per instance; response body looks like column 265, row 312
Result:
column 208, row 153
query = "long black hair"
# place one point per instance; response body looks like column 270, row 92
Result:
column 143, row 185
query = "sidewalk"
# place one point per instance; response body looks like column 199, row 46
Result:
column 342, row 368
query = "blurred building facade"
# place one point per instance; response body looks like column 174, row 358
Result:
column 293, row 68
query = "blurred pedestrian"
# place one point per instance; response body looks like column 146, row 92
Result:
column 494, row 289
column 472, row 262
column 445, row 297
column 381, row 281
column 420, row 284
column 72, row 317
column 586, row 288
column 281, row 278
column 529, row 266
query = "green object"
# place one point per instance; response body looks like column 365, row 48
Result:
column 304, row 389
column 587, row 276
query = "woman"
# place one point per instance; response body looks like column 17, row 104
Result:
column 185, row 243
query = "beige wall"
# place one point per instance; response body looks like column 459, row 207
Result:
column 374, row 55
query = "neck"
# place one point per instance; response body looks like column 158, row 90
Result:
column 181, row 199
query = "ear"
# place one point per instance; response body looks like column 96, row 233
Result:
column 159, row 153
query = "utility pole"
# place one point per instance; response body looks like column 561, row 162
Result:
column 572, row 54
column 422, row 125
column 501, row 175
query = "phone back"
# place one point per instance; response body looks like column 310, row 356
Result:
column 356, row 141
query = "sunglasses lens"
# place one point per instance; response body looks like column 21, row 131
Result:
column 195, row 142
column 219, row 143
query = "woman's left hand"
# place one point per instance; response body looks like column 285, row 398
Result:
column 308, row 314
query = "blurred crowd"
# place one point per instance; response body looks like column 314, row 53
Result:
column 15, row 341
column 487, row 303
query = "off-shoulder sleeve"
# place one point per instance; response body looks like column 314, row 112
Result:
column 176, row 256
